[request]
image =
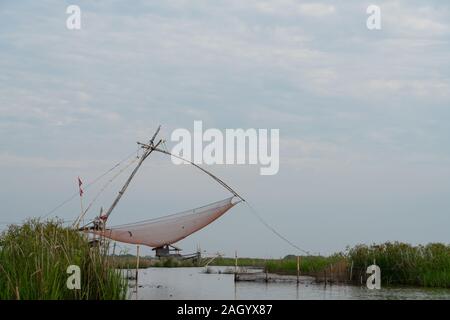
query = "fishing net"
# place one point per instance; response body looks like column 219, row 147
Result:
column 168, row 229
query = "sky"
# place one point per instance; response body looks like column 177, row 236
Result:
column 363, row 115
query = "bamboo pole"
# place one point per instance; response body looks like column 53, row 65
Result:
column 137, row 269
column 332, row 275
column 76, row 223
column 82, row 211
column 265, row 269
column 235, row 265
column 149, row 149
column 351, row 271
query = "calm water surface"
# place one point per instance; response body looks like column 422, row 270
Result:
column 193, row 283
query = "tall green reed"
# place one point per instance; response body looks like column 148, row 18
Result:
column 404, row 264
column 34, row 258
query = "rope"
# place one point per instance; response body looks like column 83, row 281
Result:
column 88, row 185
column 106, row 185
column 164, row 145
column 223, row 184
column 279, row 235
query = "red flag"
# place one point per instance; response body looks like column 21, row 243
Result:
column 102, row 216
column 79, row 186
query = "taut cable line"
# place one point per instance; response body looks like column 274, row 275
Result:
column 252, row 210
column 223, row 184
column 98, row 178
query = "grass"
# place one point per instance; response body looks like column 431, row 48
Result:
column 404, row 264
column 309, row 265
column 248, row 262
column 34, row 258
column 128, row 261
column 400, row 264
column 174, row 263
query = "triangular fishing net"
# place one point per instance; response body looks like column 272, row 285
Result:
column 168, row 229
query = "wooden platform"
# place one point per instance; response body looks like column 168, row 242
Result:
column 271, row 277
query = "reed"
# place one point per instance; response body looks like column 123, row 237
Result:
column 247, row 262
column 404, row 264
column 174, row 263
column 34, row 258
column 309, row 265
column 128, row 261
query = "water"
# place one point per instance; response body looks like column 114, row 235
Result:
column 193, row 283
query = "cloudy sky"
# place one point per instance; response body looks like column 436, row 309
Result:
column 363, row 115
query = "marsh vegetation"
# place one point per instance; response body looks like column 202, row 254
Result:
column 34, row 258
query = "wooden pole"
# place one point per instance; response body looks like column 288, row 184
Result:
column 331, row 274
column 298, row 269
column 77, row 221
column 267, row 275
column 235, row 265
column 351, row 271
column 82, row 211
column 137, row 269
column 149, row 150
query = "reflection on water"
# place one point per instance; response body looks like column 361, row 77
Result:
column 193, row 283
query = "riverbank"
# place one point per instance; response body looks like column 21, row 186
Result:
column 195, row 283
column 400, row 263
column 333, row 268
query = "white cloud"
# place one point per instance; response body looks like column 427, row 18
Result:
column 292, row 7
column 298, row 151
column 403, row 18
column 316, row 9
column 10, row 160
column 427, row 88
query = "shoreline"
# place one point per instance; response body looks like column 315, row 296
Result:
column 401, row 264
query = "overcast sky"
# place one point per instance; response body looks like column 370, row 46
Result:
column 363, row 115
